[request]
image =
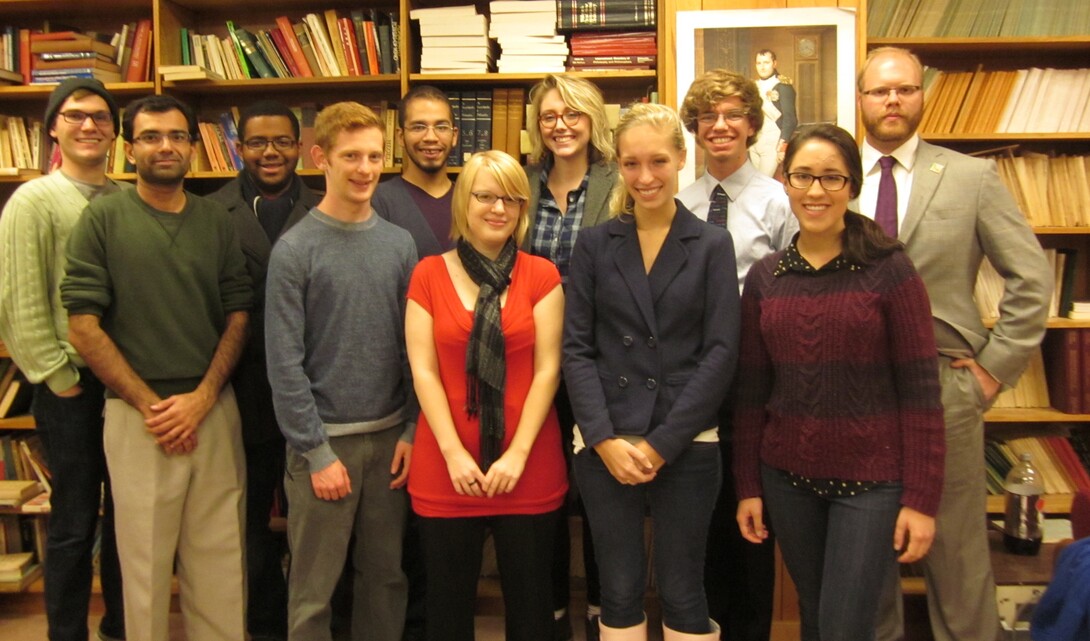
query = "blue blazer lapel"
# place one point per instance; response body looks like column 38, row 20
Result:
column 926, row 176
column 629, row 261
column 674, row 253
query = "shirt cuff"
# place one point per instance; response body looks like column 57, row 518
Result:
column 63, row 379
column 320, row 457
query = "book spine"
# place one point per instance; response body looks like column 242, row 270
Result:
column 183, row 43
column 230, row 134
column 252, row 53
column 385, row 44
column 339, row 54
column 346, row 33
column 303, row 36
column 272, row 54
column 604, row 14
column 358, row 28
column 239, row 51
column 455, row 99
column 605, row 61
column 467, row 138
column 288, row 33
column 24, row 55
column 284, row 49
column 371, row 37
column 516, row 109
column 484, row 121
column 141, row 46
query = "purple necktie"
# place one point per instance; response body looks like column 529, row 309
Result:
column 885, row 212
column 717, row 211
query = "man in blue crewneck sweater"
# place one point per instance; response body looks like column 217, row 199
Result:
column 341, row 386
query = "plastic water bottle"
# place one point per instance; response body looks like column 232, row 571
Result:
column 1022, row 524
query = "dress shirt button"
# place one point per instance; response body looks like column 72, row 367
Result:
column 622, row 381
column 652, row 383
column 627, row 340
column 651, row 342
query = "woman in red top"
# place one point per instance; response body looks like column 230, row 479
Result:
column 483, row 327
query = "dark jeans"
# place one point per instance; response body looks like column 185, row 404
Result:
column 71, row 431
column 739, row 577
column 681, row 499
column 562, row 552
column 267, row 602
column 452, row 556
column 838, row 550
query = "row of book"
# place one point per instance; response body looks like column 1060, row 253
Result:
column 365, row 42
column 976, row 18
column 1023, row 101
column 42, row 57
column 487, row 119
column 1052, row 191
column 611, row 51
column 1060, row 461
column 21, row 144
column 1068, row 354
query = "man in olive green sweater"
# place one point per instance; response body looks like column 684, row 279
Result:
column 158, row 298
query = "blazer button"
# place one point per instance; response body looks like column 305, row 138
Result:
column 651, row 342
column 652, row 383
column 627, row 340
column 622, row 381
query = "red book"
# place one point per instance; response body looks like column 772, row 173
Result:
column 347, row 34
column 55, row 35
column 1063, row 369
column 288, row 33
column 141, row 48
column 1063, row 451
column 285, row 52
column 371, row 36
column 24, row 55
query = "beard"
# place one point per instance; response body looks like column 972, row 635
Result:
column 899, row 131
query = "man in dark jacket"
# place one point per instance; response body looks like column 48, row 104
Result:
column 264, row 200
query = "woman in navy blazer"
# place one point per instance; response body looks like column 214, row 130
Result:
column 650, row 347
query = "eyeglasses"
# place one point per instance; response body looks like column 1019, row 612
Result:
column 441, row 129
column 283, row 143
column 488, row 198
column 711, row 118
column 903, row 91
column 152, row 138
column 829, row 182
column 75, row 117
column 570, row 118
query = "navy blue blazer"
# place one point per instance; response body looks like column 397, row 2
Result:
column 651, row 354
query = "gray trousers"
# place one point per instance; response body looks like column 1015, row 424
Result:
column 958, row 568
column 319, row 533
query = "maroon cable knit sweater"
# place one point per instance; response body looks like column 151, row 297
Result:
column 838, row 377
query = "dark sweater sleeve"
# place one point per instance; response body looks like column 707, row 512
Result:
column 754, row 385
column 86, row 288
column 915, row 369
column 236, row 285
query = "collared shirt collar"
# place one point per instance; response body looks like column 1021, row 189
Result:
column 905, row 155
column 732, row 184
column 792, row 261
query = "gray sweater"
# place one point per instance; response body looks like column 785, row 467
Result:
column 335, row 332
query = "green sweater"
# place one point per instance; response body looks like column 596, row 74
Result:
column 34, row 230
column 163, row 284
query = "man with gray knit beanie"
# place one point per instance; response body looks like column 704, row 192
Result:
column 82, row 118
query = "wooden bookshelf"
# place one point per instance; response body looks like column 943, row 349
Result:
column 951, row 46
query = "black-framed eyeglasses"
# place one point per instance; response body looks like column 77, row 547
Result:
column 903, row 91
column 829, row 182
column 710, row 118
column 570, row 117
column 156, row 137
column 419, row 129
column 488, row 198
column 76, row 117
column 281, row 143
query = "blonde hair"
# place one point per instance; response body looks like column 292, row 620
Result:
column 343, row 116
column 508, row 173
column 882, row 52
column 580, row 95
column 659, row 117
column 714, row 87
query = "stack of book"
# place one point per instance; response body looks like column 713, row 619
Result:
column 15, row 493
column 453, row 40
column 67, row 54
column 578, row 15
column 17, row 570
column 613, row 51
column 526, row 32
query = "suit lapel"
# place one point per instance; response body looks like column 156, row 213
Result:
column 629, row 261
column 599, row 186
column 673, row 255
column 926, row 175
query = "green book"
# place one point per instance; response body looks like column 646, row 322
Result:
column 246, row 69
column 186, row 53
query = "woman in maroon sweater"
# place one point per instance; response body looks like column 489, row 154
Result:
column 838, row 419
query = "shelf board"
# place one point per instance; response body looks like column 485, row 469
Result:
column 1054, row 503
column 254, row 85
column 42, row 91
column 984, row 45
column 1073, row 136
column 1062, row 231
column 529, row 78
column 1032, row 415
column 17, row 423
column 1054, row 322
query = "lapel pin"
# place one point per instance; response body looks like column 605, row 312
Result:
column 937, row 167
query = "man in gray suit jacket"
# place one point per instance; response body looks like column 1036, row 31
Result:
column 951, row 212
